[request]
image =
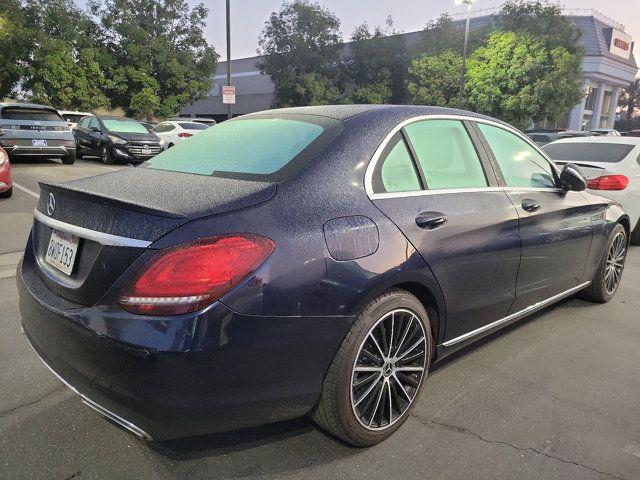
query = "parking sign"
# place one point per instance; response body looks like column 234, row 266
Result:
column 228, row 94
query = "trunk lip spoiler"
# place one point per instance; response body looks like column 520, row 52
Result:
column 102, row 238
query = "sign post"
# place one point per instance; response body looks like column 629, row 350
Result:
column 229, row 94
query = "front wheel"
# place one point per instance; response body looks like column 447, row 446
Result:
column 105, row 155
column 606, row 281
column 69, row 159
column 376, row 376
column 7, row 193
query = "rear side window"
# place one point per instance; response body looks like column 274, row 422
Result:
column 396, row 172
column 588, row 152
column 252, row 148
column 73, row 118
column 446, row 154
column 34, row 114
column 520, row 163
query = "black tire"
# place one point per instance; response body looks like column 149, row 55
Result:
column 7, row 193
column 602, row 288
column 339, row 410
column 105, row 155
column 635, row 235
column 69, row 159
column 169, row 146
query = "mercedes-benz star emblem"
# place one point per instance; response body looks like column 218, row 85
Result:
column 51, row 204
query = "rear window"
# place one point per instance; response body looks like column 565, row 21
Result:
column 193, row 126
column 34, row 114
column 124, row 126
column 266, row 149
column 73, row 118
column 588, row 152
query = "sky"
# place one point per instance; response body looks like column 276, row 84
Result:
column 248, row 17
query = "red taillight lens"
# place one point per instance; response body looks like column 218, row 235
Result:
column 189, row 277
column 185, row 134
column 608, row 182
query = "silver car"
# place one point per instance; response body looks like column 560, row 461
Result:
column 27, row 129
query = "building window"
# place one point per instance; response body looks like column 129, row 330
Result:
column 606, row 109
column 590, row 102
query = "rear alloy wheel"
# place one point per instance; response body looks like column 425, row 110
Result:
column 105, row 155
column 378, row 372
column 607, row 278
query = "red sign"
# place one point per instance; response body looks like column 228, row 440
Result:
column 228, row 94
column 618, row 42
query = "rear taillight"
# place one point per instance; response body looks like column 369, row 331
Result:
column 191, row 276
column 185, row 134
column 608, row 182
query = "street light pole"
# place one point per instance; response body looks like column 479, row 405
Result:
column 229, row 113
column 464, row 51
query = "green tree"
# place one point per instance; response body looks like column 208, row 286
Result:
column 445, row 33
column 377, row 64
column 16, row 44
column 630, row 98
column 158, row 57
column 301, row 48
column 64, row 65
column 517, row 78
column 542, row 20
column 435, row 79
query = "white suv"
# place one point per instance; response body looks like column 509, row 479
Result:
column 612, row 166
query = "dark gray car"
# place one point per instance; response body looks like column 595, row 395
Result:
column 29, row 130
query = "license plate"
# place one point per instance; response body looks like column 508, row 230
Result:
column 39, row 143
column 62, row 251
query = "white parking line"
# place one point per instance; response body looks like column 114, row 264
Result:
column 26, row 190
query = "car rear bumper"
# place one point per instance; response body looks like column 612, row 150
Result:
column 218, row 371
column 20, row 151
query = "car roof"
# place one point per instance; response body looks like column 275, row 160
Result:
column 74, row 112
column 114, row 117
column 27, row 105
column 600, row 139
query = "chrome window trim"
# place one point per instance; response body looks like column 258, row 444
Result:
column 100, row 237
column 424, row 193
column 515, row 316
column 368, row 176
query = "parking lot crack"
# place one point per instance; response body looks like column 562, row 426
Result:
column 466, row 431
column 33, row 402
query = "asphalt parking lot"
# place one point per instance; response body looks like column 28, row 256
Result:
column 554, row 396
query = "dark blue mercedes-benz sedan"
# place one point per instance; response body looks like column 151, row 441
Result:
column 304, row 261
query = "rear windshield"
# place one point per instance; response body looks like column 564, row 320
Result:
column 588, row 151
column 73, row 118
column 31, row 114
column 124, row 126
column 193, row 126
column 253, row 148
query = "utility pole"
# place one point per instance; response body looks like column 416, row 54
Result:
column 229, row 113
column 468, row 3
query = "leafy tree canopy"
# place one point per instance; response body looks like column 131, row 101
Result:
column 516, row 78
column 630, row 98
column 435, row 79
column 158, row 56
column 16, row 44
column 301, row 48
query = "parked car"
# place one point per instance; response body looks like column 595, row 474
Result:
column 6, row 185
column 115, row 139
column 30, row 130
column 207, row 121
column 541, row 139
column 607, row 132
column 633, row 133
column 306, row 260
column 612, row 166
column 72, row 117
column 175, row 132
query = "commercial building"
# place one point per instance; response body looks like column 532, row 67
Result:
column 608, row 66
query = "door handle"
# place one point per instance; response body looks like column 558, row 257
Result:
column 530, row 205
column 431, row 220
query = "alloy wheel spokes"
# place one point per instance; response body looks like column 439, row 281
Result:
column 388, row 370
column 615, row 263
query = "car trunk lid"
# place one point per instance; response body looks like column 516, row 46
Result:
column 116, row 216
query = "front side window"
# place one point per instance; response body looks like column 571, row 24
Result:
column 520, row 163
column 396, row 172
column 446, row 154
column 253, row 148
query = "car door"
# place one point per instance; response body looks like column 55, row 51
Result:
column 555, row 224
column 94, row 135
column 438, row 187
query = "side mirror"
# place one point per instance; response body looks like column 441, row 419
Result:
column 573, row 178
column 96, row 129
